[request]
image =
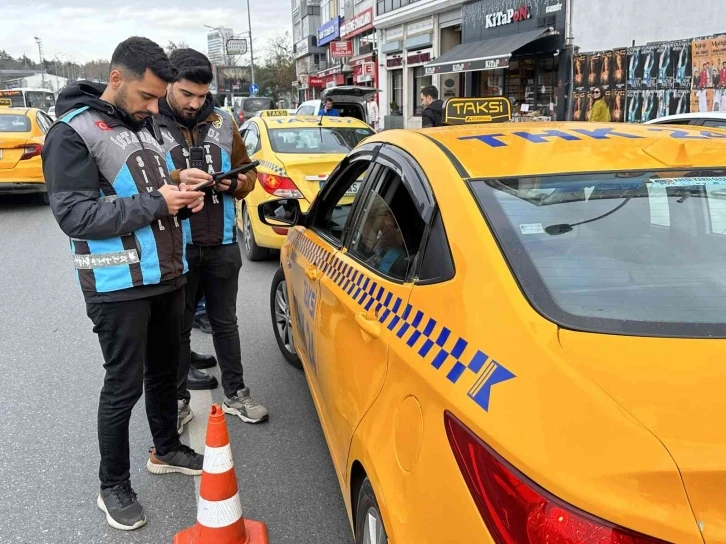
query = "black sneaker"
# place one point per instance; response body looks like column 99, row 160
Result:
column 184, row 460
column 201, row 322
column 122, row 509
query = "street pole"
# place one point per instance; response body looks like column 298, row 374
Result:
column 40, row 55
column 569, row 47
column 252, row 56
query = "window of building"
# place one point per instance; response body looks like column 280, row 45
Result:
column 384, row 6
column 396, row 90
column 420, row 80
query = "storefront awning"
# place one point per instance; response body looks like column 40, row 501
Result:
column 490, row 54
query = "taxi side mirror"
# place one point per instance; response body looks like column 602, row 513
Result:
column 277, row 213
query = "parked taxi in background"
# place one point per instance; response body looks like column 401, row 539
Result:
column 296, row 154
column 22, row 134
column 515, row 332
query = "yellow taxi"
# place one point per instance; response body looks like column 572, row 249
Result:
column 515, row 332
column 296, row 154
column 22, row 134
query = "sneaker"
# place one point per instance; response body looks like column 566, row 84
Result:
column 122, row 509
column 184, row 415
column 244, row 407
column 201, row 322
column 184, row 460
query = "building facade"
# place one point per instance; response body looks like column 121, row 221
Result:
column 216, row 45
column 309, row 57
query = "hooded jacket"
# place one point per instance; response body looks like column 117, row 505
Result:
column 103, row 172
column 224, row 149
column 432, row 114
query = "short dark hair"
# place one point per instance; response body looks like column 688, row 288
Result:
column 431, row 91
column 136, row 55
column 192, row 65
column 329, row 100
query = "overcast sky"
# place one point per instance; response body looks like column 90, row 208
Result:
column 90, row 29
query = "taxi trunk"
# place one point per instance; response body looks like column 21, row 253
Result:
column 309, row 172
column 675, row 388
column 12, row 149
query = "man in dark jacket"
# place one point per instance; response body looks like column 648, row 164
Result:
column 433, row 107
column 188, row 114
column 110, row 191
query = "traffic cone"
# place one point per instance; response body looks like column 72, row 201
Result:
column 219, row 513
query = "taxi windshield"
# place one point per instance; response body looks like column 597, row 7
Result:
column 635, row 253
column 316, row 139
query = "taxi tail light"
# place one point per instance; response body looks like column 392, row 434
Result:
column 30, row 151
column 241, row 117
column 518, row 511
column 279, row 186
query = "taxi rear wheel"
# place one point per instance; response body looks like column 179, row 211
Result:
column 282, row 318
column 253, row 252
column 369, row 527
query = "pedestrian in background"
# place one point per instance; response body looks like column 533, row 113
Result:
column 433, row 107
column 373, row 115
column 110, row 191
column 327, row 109
column 600, row 112
column 188, row 114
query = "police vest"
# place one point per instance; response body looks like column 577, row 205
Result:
column 216, row 223
column 129, row 163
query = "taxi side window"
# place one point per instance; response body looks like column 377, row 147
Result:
column 388, row 234
column 252, row 139
column 43, row 122
column 334, row 210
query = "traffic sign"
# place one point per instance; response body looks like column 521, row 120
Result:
column 254, row 88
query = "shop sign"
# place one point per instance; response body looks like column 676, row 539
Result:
column 393, row 34
column 418, row 57
column 554, row 8
column 329, row 31
column 314, row 81
column 394, row 61
column 334, row 70
column 302, row 48
column 341, row 49
column 419, row 27
column 357, row 24
column 469, row 66
column 501, row 18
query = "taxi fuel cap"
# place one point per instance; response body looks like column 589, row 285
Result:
column 473, row 111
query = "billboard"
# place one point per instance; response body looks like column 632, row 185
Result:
column 233, row 79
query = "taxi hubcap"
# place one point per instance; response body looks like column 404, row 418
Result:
column 247, row 230
column 282, row 317
column 373, row 532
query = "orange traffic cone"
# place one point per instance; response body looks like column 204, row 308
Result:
column 219, row 513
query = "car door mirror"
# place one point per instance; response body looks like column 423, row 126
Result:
column 278, row 213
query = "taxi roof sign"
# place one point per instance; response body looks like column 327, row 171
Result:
column 275, row 113
column 472, row 111
column 6, row 102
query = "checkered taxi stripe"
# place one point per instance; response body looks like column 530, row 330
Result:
column 430, row 340
column 276, row 168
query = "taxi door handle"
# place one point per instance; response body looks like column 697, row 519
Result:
column 312, row 272
column 370, row 327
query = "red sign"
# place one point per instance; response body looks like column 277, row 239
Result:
column 359, row 23
column 368, row 68
column 420, row 57
column 341, row 49
column 316, row 81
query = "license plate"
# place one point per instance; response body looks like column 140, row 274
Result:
column 352, row 191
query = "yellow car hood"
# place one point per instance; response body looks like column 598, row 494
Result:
column 308, row 171
column 676, row 388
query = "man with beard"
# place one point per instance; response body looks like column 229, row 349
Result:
column 111, row 193
column 188, row 114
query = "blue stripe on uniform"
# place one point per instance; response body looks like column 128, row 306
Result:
column 70, row 115
column 230, row 211
column 111, row 278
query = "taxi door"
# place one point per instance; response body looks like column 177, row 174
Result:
column 361, row 301
column 312, row 251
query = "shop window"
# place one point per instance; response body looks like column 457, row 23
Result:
column 491, row 83
column 396, row 93
column 420, row 80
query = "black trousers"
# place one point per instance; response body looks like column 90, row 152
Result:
column 216, row 270
column 140, row 341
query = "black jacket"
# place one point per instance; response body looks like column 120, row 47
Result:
column 75, row 185
column 432, row 115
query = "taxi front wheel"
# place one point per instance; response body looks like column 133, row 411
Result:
column 369, row 527
column 282, row 318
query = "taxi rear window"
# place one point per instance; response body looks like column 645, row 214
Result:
column 634, row 253
column 316, row 139
column 14, row 123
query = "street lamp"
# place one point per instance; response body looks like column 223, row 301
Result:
column 40, row 55
column 249, row 32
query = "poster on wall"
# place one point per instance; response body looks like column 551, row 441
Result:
column 647, row 60
column 594, row 61
column 580, row 107
column 617, row 108
column 664, row 60
column 580, row 62
column 635, row 68
column 606, row 70
column 709, row 74
column 620, row 60
column 681, row 60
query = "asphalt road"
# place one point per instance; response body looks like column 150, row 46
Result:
column 52, row 373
